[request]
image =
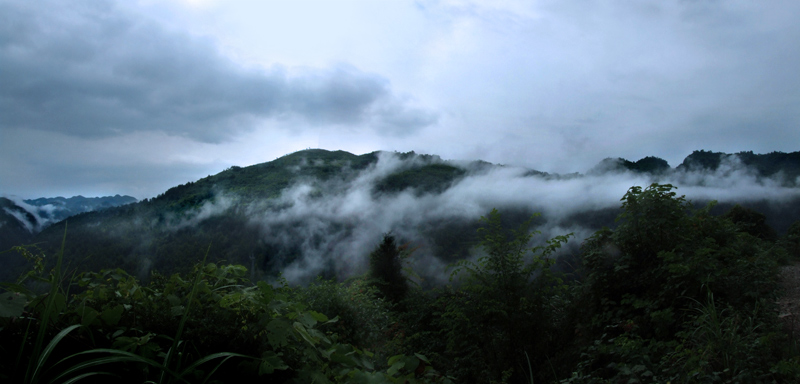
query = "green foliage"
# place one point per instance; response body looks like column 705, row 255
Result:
column 648, row 164
column 751, row 222
column 167, row 232
column 724, row 344
column 784, row 167
column 651, row 164
column 780, row 165
column 672, row 294
column 386, row 269
column 644, row 283
column 364, row 317
column 177, row 329
column 702, row 159
column 791, row 241
column 503, row 309
column 429, row 178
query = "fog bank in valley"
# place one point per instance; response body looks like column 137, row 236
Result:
column 339, row 221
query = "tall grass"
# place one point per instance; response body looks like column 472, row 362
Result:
column 39, row 356
column 99, row 361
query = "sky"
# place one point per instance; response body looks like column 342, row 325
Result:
column 101, row 97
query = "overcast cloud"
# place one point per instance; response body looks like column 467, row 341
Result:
column 95, row 70
column 132, row 97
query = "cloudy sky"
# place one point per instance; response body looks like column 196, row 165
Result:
column 133, row 97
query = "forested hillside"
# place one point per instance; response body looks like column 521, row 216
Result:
column 13, row 228
column 317, row 212
column 169, row 231
column 21, row 220
column 385, row 267
column 54, row 209
column 673, row 293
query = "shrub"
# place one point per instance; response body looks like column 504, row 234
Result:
column 644, row 283
column 502, row 310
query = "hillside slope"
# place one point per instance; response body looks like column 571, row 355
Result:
column 321, row 212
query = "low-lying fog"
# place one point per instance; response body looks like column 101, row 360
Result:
column 340, row 222
column 333, row 225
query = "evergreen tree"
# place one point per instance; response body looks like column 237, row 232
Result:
column 385, row 270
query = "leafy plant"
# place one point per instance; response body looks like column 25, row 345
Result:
column 502, row 307
column 49, row 307
column 645, row 279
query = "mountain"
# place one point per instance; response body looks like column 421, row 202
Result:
column 55, row 209
column 785, row 167
column 780, row 166
column 20, row 221
column 278, row 213
column 36, row 214
column 650, row 164
column 318, row 212
column 16, row 224
column 219, row 209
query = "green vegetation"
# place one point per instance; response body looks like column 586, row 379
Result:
column 506, row 308
column 784, row 166
column 386, row 270
column 648, row 164
column 791, row 242
column 66, row 207
column 181, row 329
column 431, row 178
column 752, row 222
column 268, row 180
column 676, row 294
column 673, row 294
column 163, row 233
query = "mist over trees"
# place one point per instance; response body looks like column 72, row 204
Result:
column 391, row 267
column 317, row 212
column 672, row 293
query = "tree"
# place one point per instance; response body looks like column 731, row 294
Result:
column 505, row 308
column 386, row 269
column 667, row 292
column 751, row 222
column 792, row 240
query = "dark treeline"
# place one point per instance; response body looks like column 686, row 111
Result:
column 672, row 293
column 233, row 210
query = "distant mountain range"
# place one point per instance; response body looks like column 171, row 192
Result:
column 59, row 208
column 784, row 167
column 321, row 212
column 21, row 220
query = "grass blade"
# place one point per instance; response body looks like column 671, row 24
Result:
column 172, row 351
column 50, row 346
column 35, row 362
column 224, row 355
column 118, row 356
column 85, row 375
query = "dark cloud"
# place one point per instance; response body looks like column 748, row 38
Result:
column 124, row 91
column 93, row 69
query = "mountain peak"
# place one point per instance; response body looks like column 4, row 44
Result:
column 649, row 165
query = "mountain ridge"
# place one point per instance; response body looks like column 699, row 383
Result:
column 786, row 166
column 318, row 211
